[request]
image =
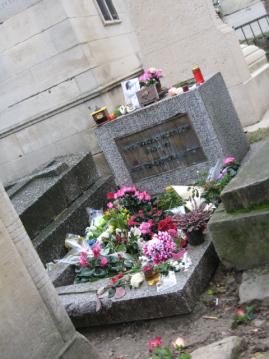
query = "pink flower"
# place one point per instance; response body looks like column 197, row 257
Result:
column 173, row 232
column 143, row 196
column 145, row 227
column 155, row 343
column 178, row 256
column 96, row 251
column 104, row 262
column 110, row 205
column 83, row 259
column 160, row 248
column 228, row 160
column 240, row 312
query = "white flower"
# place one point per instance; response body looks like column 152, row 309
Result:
column 137, row 279
column 179, row 343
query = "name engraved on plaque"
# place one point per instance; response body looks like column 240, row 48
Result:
column 161, row 148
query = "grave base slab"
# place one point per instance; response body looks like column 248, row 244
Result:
column 145, row 302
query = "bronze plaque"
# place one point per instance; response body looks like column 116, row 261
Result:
column 161, row 148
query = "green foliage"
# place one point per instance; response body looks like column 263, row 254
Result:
column 162, row 353
column 96, row 270
column 184, row 356
column 169, row 199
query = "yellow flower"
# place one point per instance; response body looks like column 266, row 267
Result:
column 169, row 189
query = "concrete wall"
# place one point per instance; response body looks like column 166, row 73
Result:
column 174, row 35
column 33, row 323
column 57, row 59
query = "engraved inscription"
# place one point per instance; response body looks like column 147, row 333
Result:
column 165, row 147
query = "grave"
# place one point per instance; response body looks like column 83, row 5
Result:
column 240, row 226
column 138, row 304
column 170, row 140
column 52, row 201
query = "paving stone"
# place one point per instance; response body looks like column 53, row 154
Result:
column 250, row 188
column 227, row 348
column 144, row 302
column 255, row 285
column 241, row 240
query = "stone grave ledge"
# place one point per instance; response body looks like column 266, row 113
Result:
column 142, row 303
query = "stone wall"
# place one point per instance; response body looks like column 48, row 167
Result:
column 57, row 59
column 174, row 35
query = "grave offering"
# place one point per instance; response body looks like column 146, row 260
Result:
column 169, row 141
column 134, row 262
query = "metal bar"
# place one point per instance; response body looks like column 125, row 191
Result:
column 260, row 28
column 252, row 21
column 244, row 34
column 254, row 37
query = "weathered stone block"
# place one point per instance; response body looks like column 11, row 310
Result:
column 241, row 240
column 254, row 286
column 212, row 131
column 43, row 196
column 50, row 241
column 144, row 302
column 250, row 188
column 227, row 348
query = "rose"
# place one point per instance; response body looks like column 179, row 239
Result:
column 228, row 160
column 115, row 279
column 179, row 343
column 110, row 205
column 240, row 312
column 104, row 262
column 155, row 343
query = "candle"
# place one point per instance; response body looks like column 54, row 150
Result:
column 198, row 76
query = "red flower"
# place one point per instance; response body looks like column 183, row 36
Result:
column 132, row 222
column 116, row 278
column 110, row 195
column 155, row 343
column 147, row 268
column 166, row 224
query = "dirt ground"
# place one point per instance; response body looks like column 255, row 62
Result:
column 130, row 340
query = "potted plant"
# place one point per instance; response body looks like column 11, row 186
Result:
column 151, row 77
column 193, row 225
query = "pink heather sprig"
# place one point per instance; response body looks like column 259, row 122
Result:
column 160, row 248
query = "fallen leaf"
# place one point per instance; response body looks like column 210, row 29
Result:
column 120, row 292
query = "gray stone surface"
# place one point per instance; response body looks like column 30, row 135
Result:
column 144, row 302
column 255, row 285
column 41, row 197
column 241, row 240
column 212, row 116
column 250, row 187
column 227, row 348
column 49, row 243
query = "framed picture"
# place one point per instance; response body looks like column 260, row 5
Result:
column 130, row 88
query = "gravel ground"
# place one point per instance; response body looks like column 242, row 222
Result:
column 206, row 324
